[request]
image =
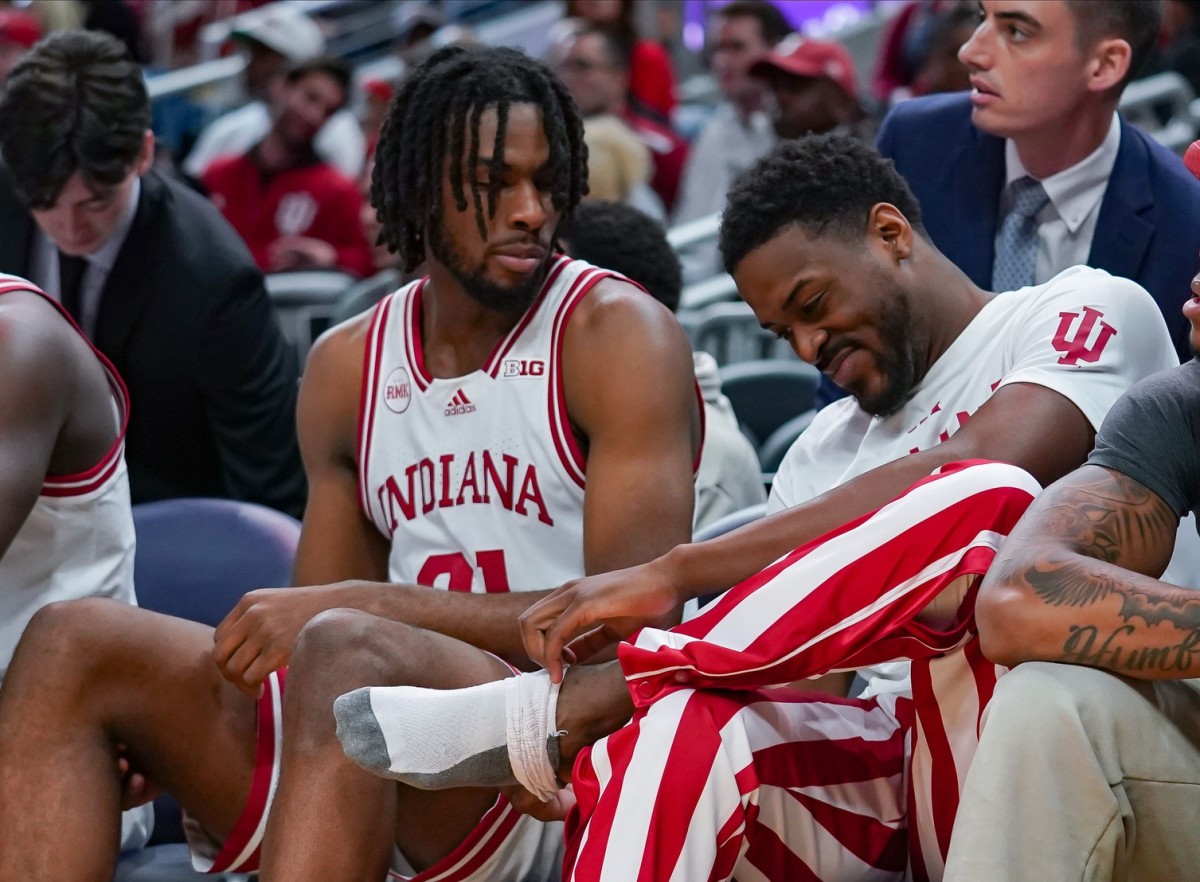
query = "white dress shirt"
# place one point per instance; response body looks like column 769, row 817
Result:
column 43, row 266
column 1068, row 222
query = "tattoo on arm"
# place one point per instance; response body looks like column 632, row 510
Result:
column 1102, row 521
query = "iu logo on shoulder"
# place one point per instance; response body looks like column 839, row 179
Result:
column 397, row 391
column 1084, row 344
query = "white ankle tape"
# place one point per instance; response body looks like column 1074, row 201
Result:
column 530, row 705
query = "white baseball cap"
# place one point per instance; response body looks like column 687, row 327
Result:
column 283, row 28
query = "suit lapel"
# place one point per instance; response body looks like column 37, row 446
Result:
column 975, row 195
column 129, row 286
column 1122, row 234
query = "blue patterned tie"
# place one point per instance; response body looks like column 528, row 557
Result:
column 1017, row 247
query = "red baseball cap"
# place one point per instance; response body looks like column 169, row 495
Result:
column 811, row 58
column 1191, row 158
column 19, row 27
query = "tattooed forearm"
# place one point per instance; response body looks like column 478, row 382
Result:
column 1123, row 650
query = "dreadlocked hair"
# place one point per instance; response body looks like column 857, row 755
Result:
column 436, row 109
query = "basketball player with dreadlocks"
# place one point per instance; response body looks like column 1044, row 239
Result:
column 447, row 434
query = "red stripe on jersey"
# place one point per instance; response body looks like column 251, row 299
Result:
column 369, row 397
column 564, row 438
column 252, row 819
column 414, row 348
column 81, row 483
column 703, row 741
column 489, row 835
column 771, row 856
column 492, row 366
column 943, row 776
column 803, row 629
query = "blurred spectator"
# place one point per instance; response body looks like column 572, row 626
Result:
column 292, row 209
column 57, row 15
column 377, row 94
column 812, row 88
column 596, row 71
column 619, row 165
column 740, row 131
column 416, row 23
column 940, row 69
column 18, row 32
column 274, row 37
column 619, row 237
column 651, row 78
column 154, row 275
column 904, row 48
column 1179, row 43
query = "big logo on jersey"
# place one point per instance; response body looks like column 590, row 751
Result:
column 479, row 478
column 1080, row 345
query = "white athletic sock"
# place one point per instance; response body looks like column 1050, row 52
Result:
column 490, row 735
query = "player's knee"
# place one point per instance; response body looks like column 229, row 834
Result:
column 338, row 646
column 78, row 626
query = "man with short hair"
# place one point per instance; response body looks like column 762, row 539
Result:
column 812, row 86
column 152, row 274
column 293, row 210
column 510, row 420
column 739, row 131
column 1036, row 171
column 596, row 70
column 866, row 559
column 272, row 38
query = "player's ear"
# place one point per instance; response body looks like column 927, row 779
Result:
column 887, row 225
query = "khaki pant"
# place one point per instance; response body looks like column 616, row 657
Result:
column 1082, row 775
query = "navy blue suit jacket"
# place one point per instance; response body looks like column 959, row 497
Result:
column 1149, row 224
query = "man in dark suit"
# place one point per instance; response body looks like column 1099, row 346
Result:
column 1046, row 80
column 152, row 273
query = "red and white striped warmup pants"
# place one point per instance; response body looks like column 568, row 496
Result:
column 717, row 774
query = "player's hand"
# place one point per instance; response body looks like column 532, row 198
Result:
column 555, row 809
column 136, row 788
column 595, row 612
column 256, row 638
column 300, row 252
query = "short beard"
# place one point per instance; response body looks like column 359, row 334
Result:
column 897, row 362
column 514, row 300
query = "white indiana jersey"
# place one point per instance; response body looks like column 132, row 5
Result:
column 78, row 539
column 477, row 481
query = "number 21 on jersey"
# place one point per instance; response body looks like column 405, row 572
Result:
column 456, row 573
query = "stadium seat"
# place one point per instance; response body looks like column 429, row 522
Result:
column 305, row 303
column 195, row 559
column 731, row 334
column 766, row 394
column 780, row 441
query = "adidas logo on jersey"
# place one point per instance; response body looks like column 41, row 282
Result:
column 459, row 404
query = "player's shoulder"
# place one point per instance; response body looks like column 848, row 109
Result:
column 1088, row 286
column 614, row 302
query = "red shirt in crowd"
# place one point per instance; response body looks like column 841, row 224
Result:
column 667, row 149
column 651, row 78
column 313, row 200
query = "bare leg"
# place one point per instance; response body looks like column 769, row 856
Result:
column 594, row 702
column 331, row 819
column 86, row 676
